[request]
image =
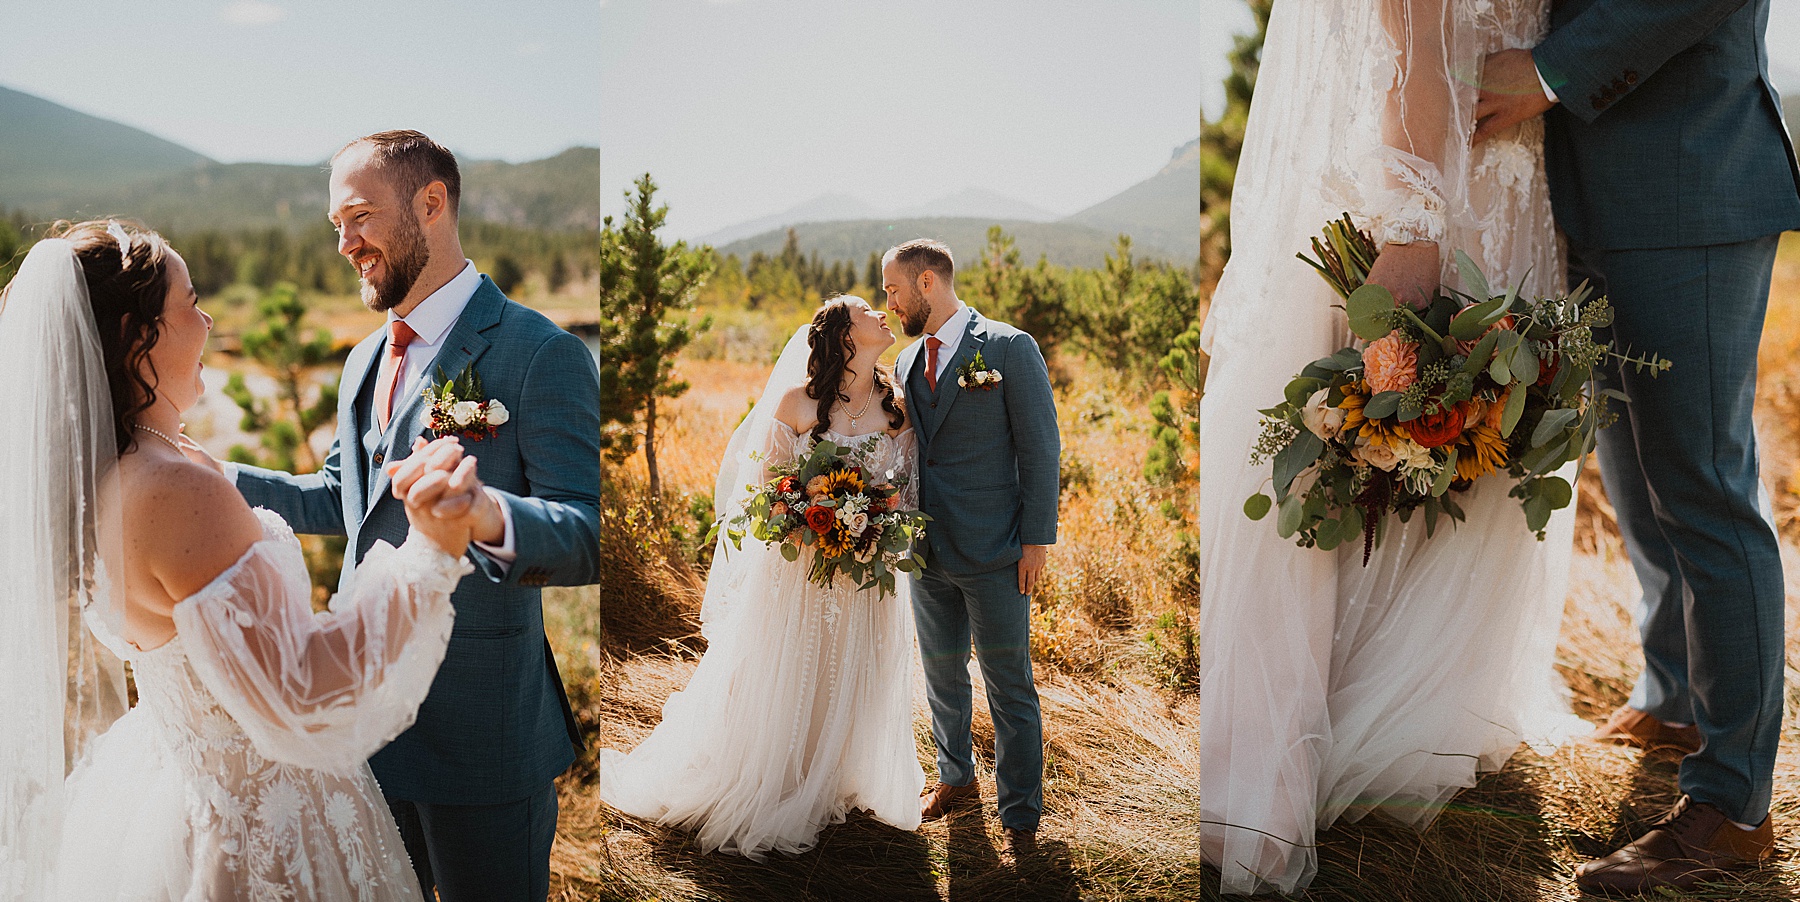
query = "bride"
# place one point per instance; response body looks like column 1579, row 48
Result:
column 801, row 708
column 1330, row 689
column 240, row 772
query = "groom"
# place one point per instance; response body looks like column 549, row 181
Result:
column 989, row 461
column 1672, row 176
column 470, row 783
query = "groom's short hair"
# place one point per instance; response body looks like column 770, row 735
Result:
column 414, row 161
column 925, row 253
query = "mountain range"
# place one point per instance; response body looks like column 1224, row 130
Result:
column 1160, row 213
column 56, row 162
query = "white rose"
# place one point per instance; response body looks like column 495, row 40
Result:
column 962, row 381
column 858, row 522
column 1322, row 419
column 497, row 414
column 463, row 412
column 1380, row 456
column 981, row 378
column 993, row 375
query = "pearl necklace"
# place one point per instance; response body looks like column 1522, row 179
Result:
column 171, row 442
column 854, row 417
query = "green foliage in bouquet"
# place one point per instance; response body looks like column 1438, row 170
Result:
column 1475, row 383
column 847, row 514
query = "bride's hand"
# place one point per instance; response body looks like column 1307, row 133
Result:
column 1409, row 271
column 439, row 486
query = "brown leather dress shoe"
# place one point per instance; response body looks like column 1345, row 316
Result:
column 943, row 798
column 1021, row 843
column 1694, row 842
column 1629, row 726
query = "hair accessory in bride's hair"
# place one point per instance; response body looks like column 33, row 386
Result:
column 119, row 234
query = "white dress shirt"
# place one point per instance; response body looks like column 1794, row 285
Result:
column 951, row 336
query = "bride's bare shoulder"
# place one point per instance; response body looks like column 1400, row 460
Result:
column 184, row 523
column 796, row 410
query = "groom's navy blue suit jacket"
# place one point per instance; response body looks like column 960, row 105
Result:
column 989, row 460
column 1669, row 132
column 496, row 725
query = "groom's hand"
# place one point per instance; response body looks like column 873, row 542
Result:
column 1031, row 567
column 1510, row 93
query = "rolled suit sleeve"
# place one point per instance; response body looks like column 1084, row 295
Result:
column 1611, row 47
column 311, row 503
column 1031, row 412
column 556, row 529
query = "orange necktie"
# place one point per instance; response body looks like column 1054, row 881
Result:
column 931, row 346
column 399, row 336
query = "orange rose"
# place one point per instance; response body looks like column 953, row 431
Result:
column 821, row 519
column 1390, row 363
column 1497, row 410
column 1433, row 430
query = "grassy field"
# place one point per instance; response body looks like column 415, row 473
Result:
column 1122, row 777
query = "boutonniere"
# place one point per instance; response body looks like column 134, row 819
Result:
column 458, row 409
column 975, row 374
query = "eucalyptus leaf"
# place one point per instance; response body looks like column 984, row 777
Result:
column 1329, row 535
column 1553, row 422
column 1382, row 405
column 1442, row 484
column 1557, row 491
column 1481, row 353
column 1288, row 521
column 1498, row 370
column 790, row 552
column 1297, row 456
column 1473, row 281
column 1515, row 407
column 1524, row 366
column 1257, row 506
column 1537, row 512
column 1370, row 312
column 1298, row 390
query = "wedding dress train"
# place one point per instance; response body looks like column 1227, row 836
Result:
column 1330, row 689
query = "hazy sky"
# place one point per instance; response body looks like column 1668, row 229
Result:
column 1227, row 16
column 742, row 108
column 289, row 81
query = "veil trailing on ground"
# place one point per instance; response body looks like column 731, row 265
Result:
column 741, row 470
column 60, row 542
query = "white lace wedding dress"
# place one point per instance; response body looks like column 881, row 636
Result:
column 240, row 774
column 801, row 708
column 1329, row 689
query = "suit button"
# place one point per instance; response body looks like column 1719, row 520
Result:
column 378, row 458
column 1598, row 103
column 1631, row 77
column 934, row 405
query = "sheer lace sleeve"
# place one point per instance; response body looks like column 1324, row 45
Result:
column 778, row 447
column 1418, row 137
column 906, row 466
column 322, row 690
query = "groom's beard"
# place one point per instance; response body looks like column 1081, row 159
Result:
column 402, row 262
column 913, row 318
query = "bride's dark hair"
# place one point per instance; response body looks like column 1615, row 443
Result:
column 127, row 304
column 832, row 349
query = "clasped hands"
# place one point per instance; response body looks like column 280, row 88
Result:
column 444, row 498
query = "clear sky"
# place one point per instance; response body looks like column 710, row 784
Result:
column 743, row 108
column 289, row 81
column 1231, row 16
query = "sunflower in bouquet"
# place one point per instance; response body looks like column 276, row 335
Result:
column 1476, row 384
column 848, row 516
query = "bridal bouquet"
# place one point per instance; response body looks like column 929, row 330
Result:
column 847, row 515
column 1472, row 385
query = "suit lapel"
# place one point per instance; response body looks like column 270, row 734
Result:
column 463, row 345
column 359, row 368
column 918, row 395
column 948, row 390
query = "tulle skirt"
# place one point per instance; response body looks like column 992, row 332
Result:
column 799, row 711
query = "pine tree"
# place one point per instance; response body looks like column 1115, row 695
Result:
column 642, row 283
column 872, row 276
column 1222, row 140
column 278, row 342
